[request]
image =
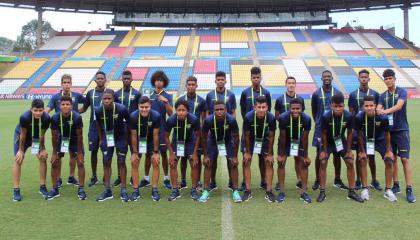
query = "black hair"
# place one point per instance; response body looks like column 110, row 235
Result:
column 337, row 98
column 220, row 74
column 290, row 77
column 182, row 102
column 191, row 79
column 108, row 91
column 326, row 71
column 388, row 73
column 127, row 73
column 219, row 102
column 144, row 99
column 100, row 72
column 364, row 71
column 159, row 75
column 66, row 98
column 296, row 101
column 37, row 103
column 255, row 70
column 369, row 98
column 260, row 99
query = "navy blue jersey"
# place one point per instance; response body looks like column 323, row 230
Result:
column 356, row 99
column 321, row 103
column 193, row 124
column 230, row 100
column 249, row 125
column 159, row 106
column 25, row 121
column 147, row 124
column 224, row 128
column 55, row 100
column 283, row 103
column 380, row 123
column 130, row 97
column 69, row 128
column 388, row 100
column 114, row 120
column 93, row 99
column 196, row 103
column 248, row 97
column 345, row 123
column 304, row 126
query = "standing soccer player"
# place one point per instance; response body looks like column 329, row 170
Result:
column 373, row 135
column 334, row 124
column 54, row 104
column 247, row 103
column 356, row 106
column 259, row 128
column 162, row 103
column 129, row 97
column 144, row 125
column 320, row 104
column 67, row 137
column 393, row 104
column 293, row 141
column 197, row 106
column 223, row 141
column 283, row 105
column 30, row 132
column 229, row 99
column 110, row 126
column 93, row 100
column 185, row 143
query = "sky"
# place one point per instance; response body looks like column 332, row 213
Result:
column 12, row 19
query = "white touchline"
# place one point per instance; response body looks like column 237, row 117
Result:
column 227, row 223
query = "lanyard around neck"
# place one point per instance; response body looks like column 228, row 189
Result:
column 113, row 113
column 252, row 94
column 195, row 102
column 291, row 128
column 139, row 125
column 215, row 128
column 215, row 95
column 129, row 97
column 185, row 128
column 323, row 95
column 285, row 101
column 255, row 126
column 61, row 124
column 333, row 123
column 358, row 97
column 33, row 127
column 367, row 127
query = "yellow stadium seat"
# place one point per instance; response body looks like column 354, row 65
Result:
column 273, row 75
column 83, row 64
column 333, row 62
column 373, row 52
column 92, row 85
column 254, row 35
column 128, row 38
column 325, row 49
column 240, row 75
column 398, row 52
column 234, row 35
column 209, row 53
column 314, row 63
column 195, row 46
column 92, row 49
column 149, row 38
column 24, row 69
column 182, row 48
column 376, row 82
column 299, row 49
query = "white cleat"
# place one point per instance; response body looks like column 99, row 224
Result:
column 390, row 195
column 365, row 194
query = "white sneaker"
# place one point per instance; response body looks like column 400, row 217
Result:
column 390, row 195
column 365, row 194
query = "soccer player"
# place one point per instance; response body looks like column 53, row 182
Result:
column 293, row 141
column 197, row 106
column 334, row 124
column 356, row 106
column 259, row 128
column 144, row 125
column 283, row 105
column 373, row 135
column 67, row 137
column 110, row 127
column 54, row 104
column 129, row 97
column 247, row 103
column 393, row 104
column 30, row 132
column 223, row 141
column 320, row 104
column 185, row 143
column 162, row 103
column 93, row 100
column 228, row 98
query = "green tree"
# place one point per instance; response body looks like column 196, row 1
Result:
column 6, row 45
column 26, row 42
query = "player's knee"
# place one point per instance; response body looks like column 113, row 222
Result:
column 323, row 163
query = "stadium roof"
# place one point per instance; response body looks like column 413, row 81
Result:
column 206, row 6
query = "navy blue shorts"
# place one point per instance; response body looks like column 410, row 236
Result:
column 120, row 145
column 16, row 137
column 400, row 143
column 264, row 149
column 72, row 148
column 331, row 150
column 316, row 140
column 355, row 144
column 162, row 145
column 213, row 152
column 287, row 150
column 189, row 148
column 93, row 137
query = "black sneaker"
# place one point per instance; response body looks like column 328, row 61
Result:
column 230, row 186
column 81, row 194
column 124, row 195
column 55, row 193
column 299, row 185
column 269, row 196
column 59, row 183
column 321, row 197
column 277, row 188
column 315, row 186
column 43, row 191
column 16, row 195
column 358, row 185
column 135, row 196
column 281, row 197
column 247, row 196
column 183, row 184
column 106, row 195
column 174, row 195
column 376, row 185
column 194, row 194
column 242, row 187
column 396, row 188
column 353, row 196
column 167, row 184
column 410, row 195
column 72, row 181
column 93, row 181
column 117, row 182
column 339, row 184
column 144, row 183
column 155, row 195
column 263, row 185
column 212, row 186
column 305, row 197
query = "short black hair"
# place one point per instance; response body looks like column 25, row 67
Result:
column 369, row 98
column 221, row 74
column 66, row 98
column 219, row 102
column 388, row 73
column 260, row 99
column 326, row 71
column 191, row 79
column 289, row 78
column 337, row 98
column 159, row 75
column 127, row 73
column 255, row 70
column 296, row 101
column 364, row 71
column 100, row 72
column 144, row 99
column 182, row 102
column 37, row 103
column 108, row 91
